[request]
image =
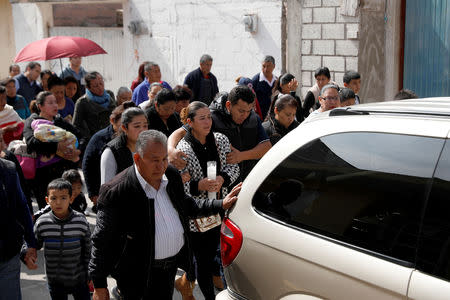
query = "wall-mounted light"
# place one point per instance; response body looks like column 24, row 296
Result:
column 250, row 23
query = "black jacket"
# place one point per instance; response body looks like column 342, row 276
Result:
column 122, row 155
column 276, row 131
column 155, row 122
column 90, row 117
column 91, row 159
column 45, row 148
column 193, row 81
column 123, row 239
column 27, row 90
column 25, row 188
column 242, row 137
column 299, row 115
column 15, row 217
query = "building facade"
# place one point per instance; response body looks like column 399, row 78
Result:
column 302, row 35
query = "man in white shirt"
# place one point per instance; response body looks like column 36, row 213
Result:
column 263, row 84
column 142, row 223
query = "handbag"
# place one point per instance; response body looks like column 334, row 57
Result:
column 206, row 223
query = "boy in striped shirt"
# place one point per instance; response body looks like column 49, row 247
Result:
column 66, row 238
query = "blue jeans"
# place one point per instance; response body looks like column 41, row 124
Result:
column 10, row 279
column 61, row 292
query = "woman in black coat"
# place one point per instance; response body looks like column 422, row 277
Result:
column 94, row 149
column 161, row 115
column 281, row 118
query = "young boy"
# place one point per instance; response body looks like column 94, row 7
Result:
column 78, row 201
column 347, row 97
column 66, row 238
column 352, row 80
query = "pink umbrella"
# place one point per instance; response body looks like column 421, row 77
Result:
column 58, row 47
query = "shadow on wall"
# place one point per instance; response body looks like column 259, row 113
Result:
column 267, row 45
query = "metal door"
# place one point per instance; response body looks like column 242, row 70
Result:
column 427, row 47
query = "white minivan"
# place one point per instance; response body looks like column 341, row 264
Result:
column 354, row 204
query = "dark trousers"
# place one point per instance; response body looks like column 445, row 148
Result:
column 10, row 279
column 43, row 177
column 161, row 285
column 60, row 292
column 204, row 246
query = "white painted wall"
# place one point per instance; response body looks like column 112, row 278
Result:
column 180, row 31
column 31, row 23
column 110, row 65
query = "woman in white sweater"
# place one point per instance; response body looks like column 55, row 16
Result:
column 118, row 153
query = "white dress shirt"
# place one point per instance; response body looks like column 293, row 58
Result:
column 263, row 78
column 169, row 237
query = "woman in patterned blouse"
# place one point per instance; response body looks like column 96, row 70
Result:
column 201, row 145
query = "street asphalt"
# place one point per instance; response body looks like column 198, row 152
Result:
column 34, row 285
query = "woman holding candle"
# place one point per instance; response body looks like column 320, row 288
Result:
column 201, row 146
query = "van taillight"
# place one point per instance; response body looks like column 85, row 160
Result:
column 230, row 241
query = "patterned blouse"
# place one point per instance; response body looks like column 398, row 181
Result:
column 196, row 173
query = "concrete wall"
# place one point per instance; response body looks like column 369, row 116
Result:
column 86, row 14
column 393, row 50
column 361, row 35
column 372, row 59
column 7, row 51
column 294, row 40
column 340, row 34
column 178, row 32
column 110, row 65
column 31, row 23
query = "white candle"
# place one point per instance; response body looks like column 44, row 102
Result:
column 211, row 174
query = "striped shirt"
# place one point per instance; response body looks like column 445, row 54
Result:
column 169, row 237
column 67, row 247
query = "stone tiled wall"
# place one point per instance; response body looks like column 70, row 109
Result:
column 329, row 39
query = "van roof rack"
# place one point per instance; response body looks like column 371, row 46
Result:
column 433, row 107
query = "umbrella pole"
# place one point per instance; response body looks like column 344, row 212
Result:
column 60, row 64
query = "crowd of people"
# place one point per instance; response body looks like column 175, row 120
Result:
column 160, row 165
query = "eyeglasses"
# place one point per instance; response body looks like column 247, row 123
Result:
column 330, row 98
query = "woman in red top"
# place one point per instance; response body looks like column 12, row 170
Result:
column 141, row 76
